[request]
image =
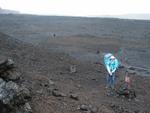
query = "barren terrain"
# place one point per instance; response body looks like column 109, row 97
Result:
column 44, row 48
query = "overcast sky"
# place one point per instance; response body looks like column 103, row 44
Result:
column 78, row 7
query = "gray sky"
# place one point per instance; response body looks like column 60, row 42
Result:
column 78, row 7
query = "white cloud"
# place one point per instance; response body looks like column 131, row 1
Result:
column 78, row 7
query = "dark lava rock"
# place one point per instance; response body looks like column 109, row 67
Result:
column 84, row 107
column 58, row 93
column 11, row 75
column 51, row 82
column 6, row 65
column 27, row 108
column 12, row 96
column 74, row 96
column 14, row 75
column 7, row 71
column 94, row 110
column 73, row 69
column 89, row 108
column 8, row 91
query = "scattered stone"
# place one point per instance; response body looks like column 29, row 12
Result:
column 2, row 84
column 46, row 85
column 11, row 75
column 84, row 107
column 39, row 91
column 88, row 108
column 12, row 86
column 94, row 79
column 51, row 82
column 78, row 86
column 6, row 65
column 14, row 75
column 7, row 71
column 12, row 95
column 61, row 73
column 8, row 91
column 25, row 93
column 27, row 108
column 110, row 93
column 73, row 69
column 94, row 110
column 112, row 105
column 58, row 94
column 61, row 58
column 98, row 71
column 74, row 96
column 137, row 100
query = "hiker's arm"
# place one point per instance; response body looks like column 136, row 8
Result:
column 108, row 69
column 116, row 66
column 113, row 70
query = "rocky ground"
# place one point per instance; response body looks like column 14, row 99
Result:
column 45, row 71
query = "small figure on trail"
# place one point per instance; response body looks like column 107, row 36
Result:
column 54, row 35
column 111, row 64
column 127, row 81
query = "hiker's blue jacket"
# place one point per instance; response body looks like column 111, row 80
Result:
column 111, row 65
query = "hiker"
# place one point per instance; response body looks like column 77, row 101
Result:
column 111, row 64
column 54, row 35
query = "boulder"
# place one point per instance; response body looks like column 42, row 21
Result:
column 12, row 95
column 84, row 107
column 73, row 69
column 11, row 75
column 6, row 65
column 27, row 108
column 74, row 96
column 58, row 93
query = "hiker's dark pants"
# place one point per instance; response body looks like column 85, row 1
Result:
column 111, row 80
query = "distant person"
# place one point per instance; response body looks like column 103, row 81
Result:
column 54, row 35
column 111, row 64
